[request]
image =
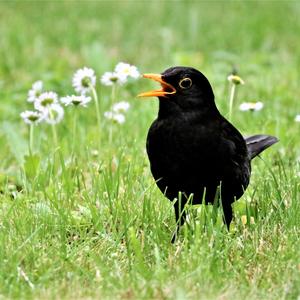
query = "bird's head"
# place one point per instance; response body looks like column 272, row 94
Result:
column 183, row 88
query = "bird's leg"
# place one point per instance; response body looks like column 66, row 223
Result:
column 227, row 209
column 180, row 216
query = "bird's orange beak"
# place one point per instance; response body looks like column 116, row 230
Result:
column 167, row 89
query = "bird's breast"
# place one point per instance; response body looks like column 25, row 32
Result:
column 175, row 148
column 185, row 151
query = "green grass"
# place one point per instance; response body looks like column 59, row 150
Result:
column 99, row 228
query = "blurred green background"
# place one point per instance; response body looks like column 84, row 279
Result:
column 55, row 231
column 49, row 40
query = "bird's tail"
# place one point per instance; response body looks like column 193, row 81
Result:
column 258, row 143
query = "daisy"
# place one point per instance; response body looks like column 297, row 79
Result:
column 127, row 70
column 253, row 106
column 54, row 114
column 116, row 117
column 76, row 100
column 235, row 79
column 32, row 117
column 45, row 100
column 297, row 118
column 35, row 91
column 120, row 107
column 111, row 78
column 83, row 79
column 244, row 220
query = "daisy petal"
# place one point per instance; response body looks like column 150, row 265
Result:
column 35, row 91
column 76, row 100
column 115, row 117
column 32, row 117
column 83, row 79
column 119, row 107
column 45, row 100
column 54, row 114
column 111, row 78
column 127, row 70
column 253, row 106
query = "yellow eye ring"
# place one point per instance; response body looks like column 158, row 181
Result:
column 185, row 83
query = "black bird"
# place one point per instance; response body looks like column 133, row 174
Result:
column 193, row 149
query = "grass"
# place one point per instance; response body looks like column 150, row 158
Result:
column 100, row 228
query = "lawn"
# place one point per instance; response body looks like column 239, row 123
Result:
column 81, row 216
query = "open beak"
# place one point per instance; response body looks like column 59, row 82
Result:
column 167, row 89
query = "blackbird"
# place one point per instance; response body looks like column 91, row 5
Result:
column 193, row 150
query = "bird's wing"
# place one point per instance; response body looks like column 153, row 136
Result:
column 258, row 143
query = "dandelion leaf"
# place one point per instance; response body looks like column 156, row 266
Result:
column 31, row 165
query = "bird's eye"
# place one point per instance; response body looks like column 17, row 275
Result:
column 185, row 83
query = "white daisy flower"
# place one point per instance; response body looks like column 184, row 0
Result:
column 83, row 79
column 235, row 79
column 127, row 70
column 115, row 117
column 111, row 78
column 297, row 118
column 76, row 100
column 45, row 100
column 253, row 106
column 120, row 107
column 32, row 117
column 54, row 113
column 35, row 91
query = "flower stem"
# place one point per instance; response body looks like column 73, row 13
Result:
column 54, row 134
column 74, row 130
column 31, row 130
column 53, row 128
column 112, row 101
column 55, row 144
column 232, row 93
column 113, row 95
column 97, row 111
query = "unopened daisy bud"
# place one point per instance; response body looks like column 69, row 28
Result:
column 54, row 114
column 120, row 107
column 35, row 91
column 111, row 78
column 244, row 219
column 235, row 79
column 297, row 118
column 76, row 100
column 127, row 70
column 95, row 152
column 83, row 79
column 115, row 117
column 252, row 106
column 32, row 117
column 45, row 100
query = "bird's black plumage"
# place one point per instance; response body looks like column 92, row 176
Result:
column 193, row 149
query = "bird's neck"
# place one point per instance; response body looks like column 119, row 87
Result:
column 169, row 108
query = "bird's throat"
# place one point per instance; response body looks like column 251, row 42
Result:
column 168, row 108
